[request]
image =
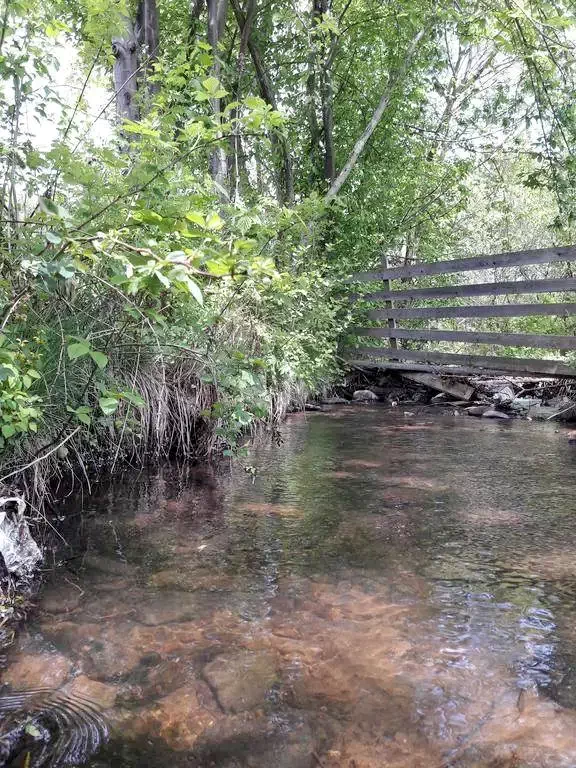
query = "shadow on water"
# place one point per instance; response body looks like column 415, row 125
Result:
column 388, row 590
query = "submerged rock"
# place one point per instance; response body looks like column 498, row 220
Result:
column 60, row 599
column 108, row 565
column 37, row 670
column 284, row 741
column 104, row 696
column 242, row 680
column 178, row 718
column 168, row 607
column 364, row 396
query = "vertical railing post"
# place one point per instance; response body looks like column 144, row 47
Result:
column 389, row 305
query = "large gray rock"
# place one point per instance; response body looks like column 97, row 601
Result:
column 505, row 395
column 364, row 396
column 492, row 413
column 242, row 680
column 477, row 410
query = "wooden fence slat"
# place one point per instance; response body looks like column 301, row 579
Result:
column 455, row 370
column 561, row 285
column 496, row 261
column 543, row 341
column 511, row 364
column 498, row 310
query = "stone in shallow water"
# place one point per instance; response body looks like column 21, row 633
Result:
column 242, row 741
column 178, row 718
column 477, row 410
column 364, row 396
column 41, row 670
column 108, row 565
column 104, row 652
column 180, row 578
column 492, row 413
column 104, row 696
column 242, row 680
column 61, row 599
column 169, row 607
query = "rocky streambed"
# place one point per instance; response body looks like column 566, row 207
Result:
column 386, row 589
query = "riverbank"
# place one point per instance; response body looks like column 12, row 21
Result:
column 503, row 397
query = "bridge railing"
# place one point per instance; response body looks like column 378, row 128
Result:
column 402, row 304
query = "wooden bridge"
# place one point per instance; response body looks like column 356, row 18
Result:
column 404, row 303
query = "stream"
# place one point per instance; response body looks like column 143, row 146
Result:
column 383, row 589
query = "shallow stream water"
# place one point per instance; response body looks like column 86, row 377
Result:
column 387, row 590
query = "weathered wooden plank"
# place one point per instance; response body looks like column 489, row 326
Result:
column 495, row 261
column 442, row 384
column 391, row 321
column 512, row 364
column 492, row 310
column 453, row 370
column 561, row 285
column 541, row 341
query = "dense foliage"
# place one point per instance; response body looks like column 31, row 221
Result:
column 173, row 253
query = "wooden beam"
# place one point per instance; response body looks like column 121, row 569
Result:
column 389, row 316
column 511, row 364
column 496, row 261
column 560, row 285
column 455, row 370
column 498, row 310
column 442, row 384
column 542, row 341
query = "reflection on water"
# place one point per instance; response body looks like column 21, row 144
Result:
column 389, row 591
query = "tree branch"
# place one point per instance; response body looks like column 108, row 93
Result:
column 383, row 104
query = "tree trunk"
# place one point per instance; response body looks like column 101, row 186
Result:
column 133, row 54
column 321, row 8
column 216, row 22
column 285, row 184
column 125, row 77
column 147, row 30
column 196, row 8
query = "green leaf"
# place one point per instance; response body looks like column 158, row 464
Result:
column 196, row 218
column 214, row 222
column 218, row 268
column 211, row 84
column 78, row 349
column 53, row 238
column 99, row 358
column 133, row 398
column 254, row 102
column 84, row 418
column 108, row 405
column 8, row 430
column 194, row 289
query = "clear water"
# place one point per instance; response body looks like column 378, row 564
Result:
column 388, row 590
